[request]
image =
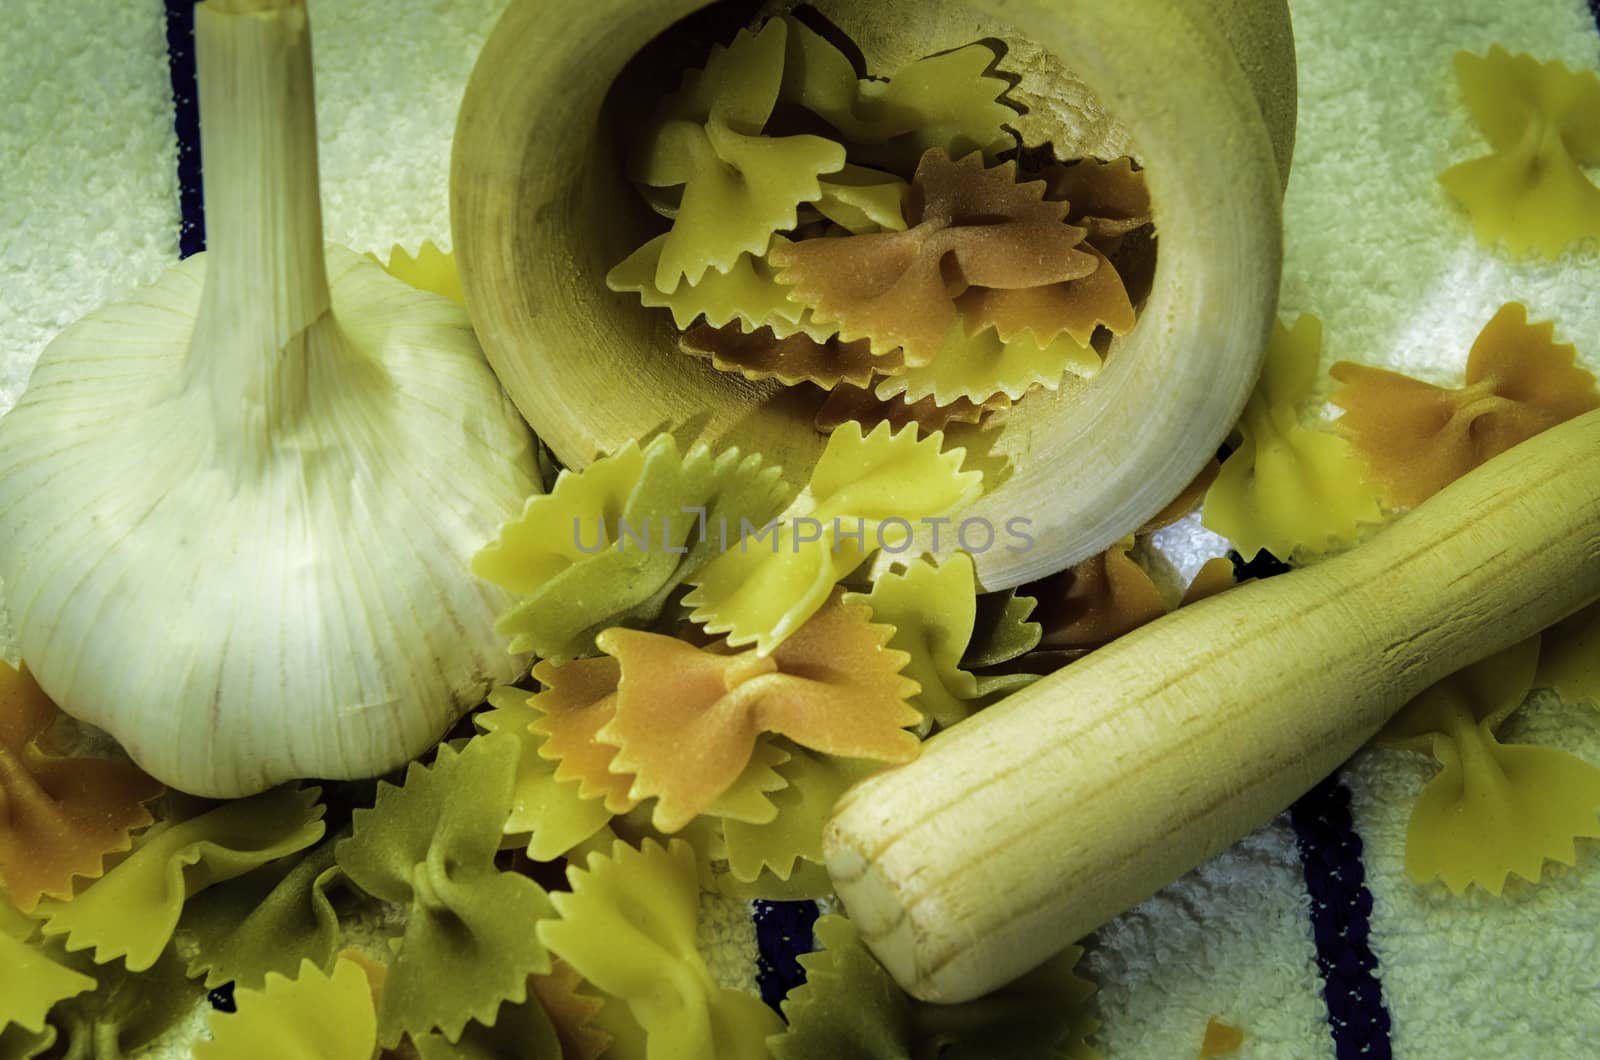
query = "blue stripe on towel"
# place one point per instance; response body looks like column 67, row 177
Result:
column 186, row 123
column 783, row 933
column 1341, row 905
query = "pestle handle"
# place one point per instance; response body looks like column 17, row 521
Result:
column 1031, row 824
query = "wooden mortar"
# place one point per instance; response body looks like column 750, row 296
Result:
column 1201, row 93
column 1032, row 823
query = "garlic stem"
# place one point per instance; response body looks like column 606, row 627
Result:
column 266, row 281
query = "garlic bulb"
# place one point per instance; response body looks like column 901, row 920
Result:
column 236, row 509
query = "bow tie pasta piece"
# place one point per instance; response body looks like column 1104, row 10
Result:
column 1287, row 487
column 1417, row 438
column 850, row 1009
column 739, row 187
column 1002, row 630
column 933, row 610
column 431, row 270
column 969, row 226
column 572, row 1013
column 267, row 920
column 310, row 1017
column 125, row 1012
column 981, row 368
column 1569, row 657
column 793, row 360
column 948, row 101
column 549, row 811
column 1539, row 118
column 133, row 910
column 30, row 986
column 747, row 294
column 59, row 816
column 1107, row 199
column 687, row 720
column 430, row 845
column 846, row 403
column 602, row 548
column 862, row 200
column 629, row 926
column 873, row 483
column 1074, row 309
column 1493, row 809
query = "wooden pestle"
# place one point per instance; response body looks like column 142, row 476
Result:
column 1034, row 822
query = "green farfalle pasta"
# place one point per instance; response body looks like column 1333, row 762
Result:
column 1569, row 657
column 764, row 588
column 600, row 549
column 850, row 1009
column 1530, row 192
column 550, row 812
column 125, row 1012
column 314, row 1016
column 1493, row 810
column 950, row 101
column 629, row 927
column 860, row 200
column 430, row 845
column 739, row 187
column 30, row 986
column 1288, row 488
column 133, row 910
column 1001, row 630
column 933, row 609
column 268, row 920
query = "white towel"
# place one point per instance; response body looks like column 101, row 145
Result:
column 89, row 209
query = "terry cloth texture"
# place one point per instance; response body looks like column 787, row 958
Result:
column 1306, row 935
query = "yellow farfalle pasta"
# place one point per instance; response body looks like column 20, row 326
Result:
column 1288, row 488
column 59, row 815
column 1530, row 192
column 431, row 270
column 969, row 226
column 739, row 187
column 30, row 985
column 1417, row 438
column 133, row 910
column 862, row 200
column 864, row 493
column 549, row 811
column 1569, row 658
column 933, row 610
column 1494, row 809
column 629, row 927
column 310, row 1017
column 980, row 368
column 686, row 720
column 851, row 404
column 124, row 1013
column 793, row 360
column 949, row 101
column 608, row 545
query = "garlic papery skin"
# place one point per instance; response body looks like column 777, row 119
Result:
column 236, row 509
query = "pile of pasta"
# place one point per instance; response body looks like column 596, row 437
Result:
column 862, row 237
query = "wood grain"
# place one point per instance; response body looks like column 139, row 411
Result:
column 1029, row 825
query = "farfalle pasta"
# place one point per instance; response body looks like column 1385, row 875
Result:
column 313, row 1016
column 572, row 1012
column 850, row 404
column 1288, row 488
column 431, row 269
column 266, row 921
column 608, row 545
column 969, row 222
column 850, row 1009
column 1530, row 192
column 1417, row 438
column 933, row 611
column 628, row 925
column 792, row 360
column 864, row 491
column 1493, row 810
column 430, row 845
column 982, row 368
column 59, row 815
column 125, row 1012
column 132, row 911
column 739, row 187
column 30, row 986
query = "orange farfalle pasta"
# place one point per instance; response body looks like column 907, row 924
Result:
column 969, row 226
column 1076, row 308
column 791, row 360
column 1417, row 438
column 1108, row 199
column 660, row 717
column 1493, row 810
column 1530, row 192
column 59, row 816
